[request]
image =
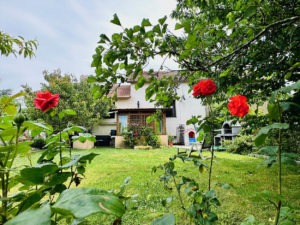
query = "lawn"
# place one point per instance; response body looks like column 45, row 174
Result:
column 245, row 179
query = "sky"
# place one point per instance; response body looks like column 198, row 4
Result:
column 67, row 32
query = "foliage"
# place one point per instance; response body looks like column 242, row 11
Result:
column 240, row 145
column 74, row 95
column 38, row 143
column 5, row 92
column 16, row 45
column 44, row 188
column 138, row 135
column 231, row 42
column 200, row 202
column 151, row 138
column 171, row 138
column 278, row 104
column 249, row 48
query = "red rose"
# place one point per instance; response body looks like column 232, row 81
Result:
column 238, row 106
column 204, row 87
column 136, row 134
column 45, row 100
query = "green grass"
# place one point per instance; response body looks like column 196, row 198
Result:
column 247, row 178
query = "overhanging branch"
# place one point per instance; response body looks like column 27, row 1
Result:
column 246, row 45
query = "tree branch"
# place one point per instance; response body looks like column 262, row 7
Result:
column 267, row 28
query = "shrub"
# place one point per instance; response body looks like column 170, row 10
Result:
column 240, row 145
column 137, row 135
column 38, row 143
column 151, row 138
column 129, row 139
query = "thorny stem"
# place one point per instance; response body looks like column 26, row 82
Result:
column 179, row 194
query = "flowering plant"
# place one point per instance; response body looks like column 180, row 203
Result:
column 204, row 87
column 238, row 106
column 45, row 100
column 45, row 195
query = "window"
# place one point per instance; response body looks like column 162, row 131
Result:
column 122, row 123
column 171, row 112
column 138, row 119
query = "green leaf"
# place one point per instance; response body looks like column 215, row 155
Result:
column 58, row 178
column 36, row 128
column 82, row 137
column 116, row 20
column 273, row 111
column 77, row 158
column 162, row 20
column 250, row 11
column 104, row 38
column 69, row 112
column 156, row 29
column 10, row 109
column 193, row 120
column 140, row 83
column 23, row 148
column 12, row 131
column 168, row 219
column 73, row 129
column 92, row 79
column 178, row 26
column 39, row 216
column 37, row 174
column 262, row 134
column 31, row 199
column 202, row 168
column 146, row 23
column 269, row 150
column 82, row 202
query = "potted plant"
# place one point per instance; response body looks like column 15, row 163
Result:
column 170, row 140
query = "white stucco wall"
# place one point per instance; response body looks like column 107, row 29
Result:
column 136, row 95
column 186, row 107
column 104, row 127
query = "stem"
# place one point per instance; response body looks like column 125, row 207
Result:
column 3, row 141
column 212, row 144
column 60, row 142
column 210, row 168
column 5, row 177
column 179, row 194
column 278, row 208
column 71, row 168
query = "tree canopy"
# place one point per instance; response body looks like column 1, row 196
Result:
column 16, row 45
column 247, row 47
column 74, row 95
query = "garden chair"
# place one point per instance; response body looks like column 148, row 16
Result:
column 194, row 147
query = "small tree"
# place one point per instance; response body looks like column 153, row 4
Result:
column 75, row 95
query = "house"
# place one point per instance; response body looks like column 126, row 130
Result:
column 131, row 107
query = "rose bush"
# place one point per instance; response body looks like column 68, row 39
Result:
column 238, row 106
column 204, row 87
column 45, row 100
